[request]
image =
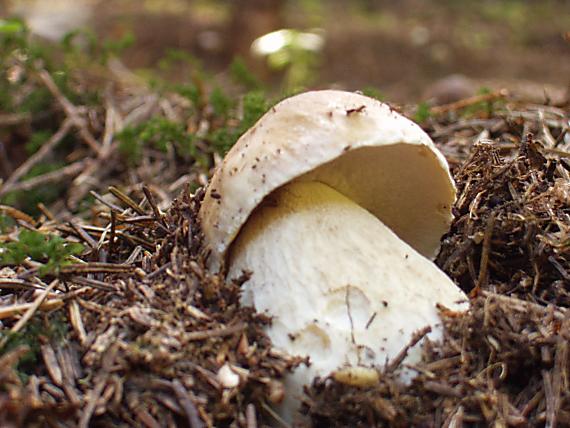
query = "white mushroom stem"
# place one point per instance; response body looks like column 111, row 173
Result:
column 341, row 286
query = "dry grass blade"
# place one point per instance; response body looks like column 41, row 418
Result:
column 113, row 207
column 187, row 404
column 11, row 119
column 52, row 365
column 157, row 214
column 282, row 423
column 25, row 167
column 113, row 232
column 519, row 305
column 31, row 310
column 77, row 322
column 251, row 419
column 96, row 267
column 83, row 234
column 92, row 398
column 16, row 214
column 416, row 337
column 482, row 278
column 15, row 283
column 469, row 102
column 219, row 332
column 11, row 310
column 50, row 177
column 126, row 200
column 89, row 282
column 70, row 110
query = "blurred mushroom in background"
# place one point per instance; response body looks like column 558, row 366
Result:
column 251, row 19
column 54, row 18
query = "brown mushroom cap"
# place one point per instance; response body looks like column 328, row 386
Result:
column 357, row 145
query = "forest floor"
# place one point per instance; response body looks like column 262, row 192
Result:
column 109, row 316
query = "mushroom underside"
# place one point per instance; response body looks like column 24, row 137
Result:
column 404, row 185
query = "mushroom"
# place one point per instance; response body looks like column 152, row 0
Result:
column 335, row 204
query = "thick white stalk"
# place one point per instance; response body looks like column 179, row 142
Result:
column 341, row 286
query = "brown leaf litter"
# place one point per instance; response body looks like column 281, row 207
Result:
column 152, row 339
column 150, row 333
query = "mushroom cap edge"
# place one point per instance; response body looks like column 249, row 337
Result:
column 301, row 134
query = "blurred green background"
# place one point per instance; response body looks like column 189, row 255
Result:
column 400, row 50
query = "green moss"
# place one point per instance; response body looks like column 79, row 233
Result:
column 37, row 139
column 52, row 327
column 221, row 104
column 11, row 26
column 242, row 75
column 373, row 92
column 422, row 113
column 6, row 223
column 254, row 105
column 223, row 139
column 191, row 92
column 36, row 101
column 84, row 45
column 51, row 250
column 485, row 108
column 174, row 58
column 29, row 199
column 157, row 133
